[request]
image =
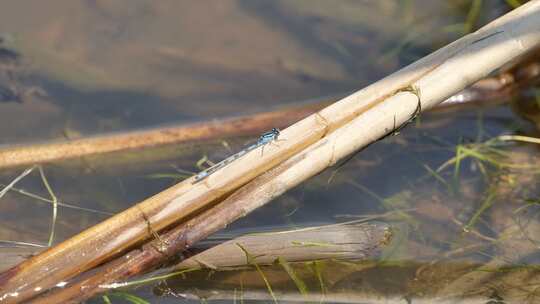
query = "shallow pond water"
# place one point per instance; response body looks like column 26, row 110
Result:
column 74, row 68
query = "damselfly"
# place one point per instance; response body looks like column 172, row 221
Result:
column 264, row 139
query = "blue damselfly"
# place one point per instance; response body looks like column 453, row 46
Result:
column 264, row 139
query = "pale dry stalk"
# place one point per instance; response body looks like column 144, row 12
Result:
column 30, row 154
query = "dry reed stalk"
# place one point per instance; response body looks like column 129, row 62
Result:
column 331, row 134
column 343, row 297
column 27, row 155
column 488, row 89
column 238, row 204
column 345, row 241
column 154, row 253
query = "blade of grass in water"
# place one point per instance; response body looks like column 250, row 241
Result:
column 129, row 298
column 54, row 205
column 16, row 180
column 301, row 285
column 513, row 3
column 488, row 202
column 251, row 260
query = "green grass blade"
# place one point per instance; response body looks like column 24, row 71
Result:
column 300, row 284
